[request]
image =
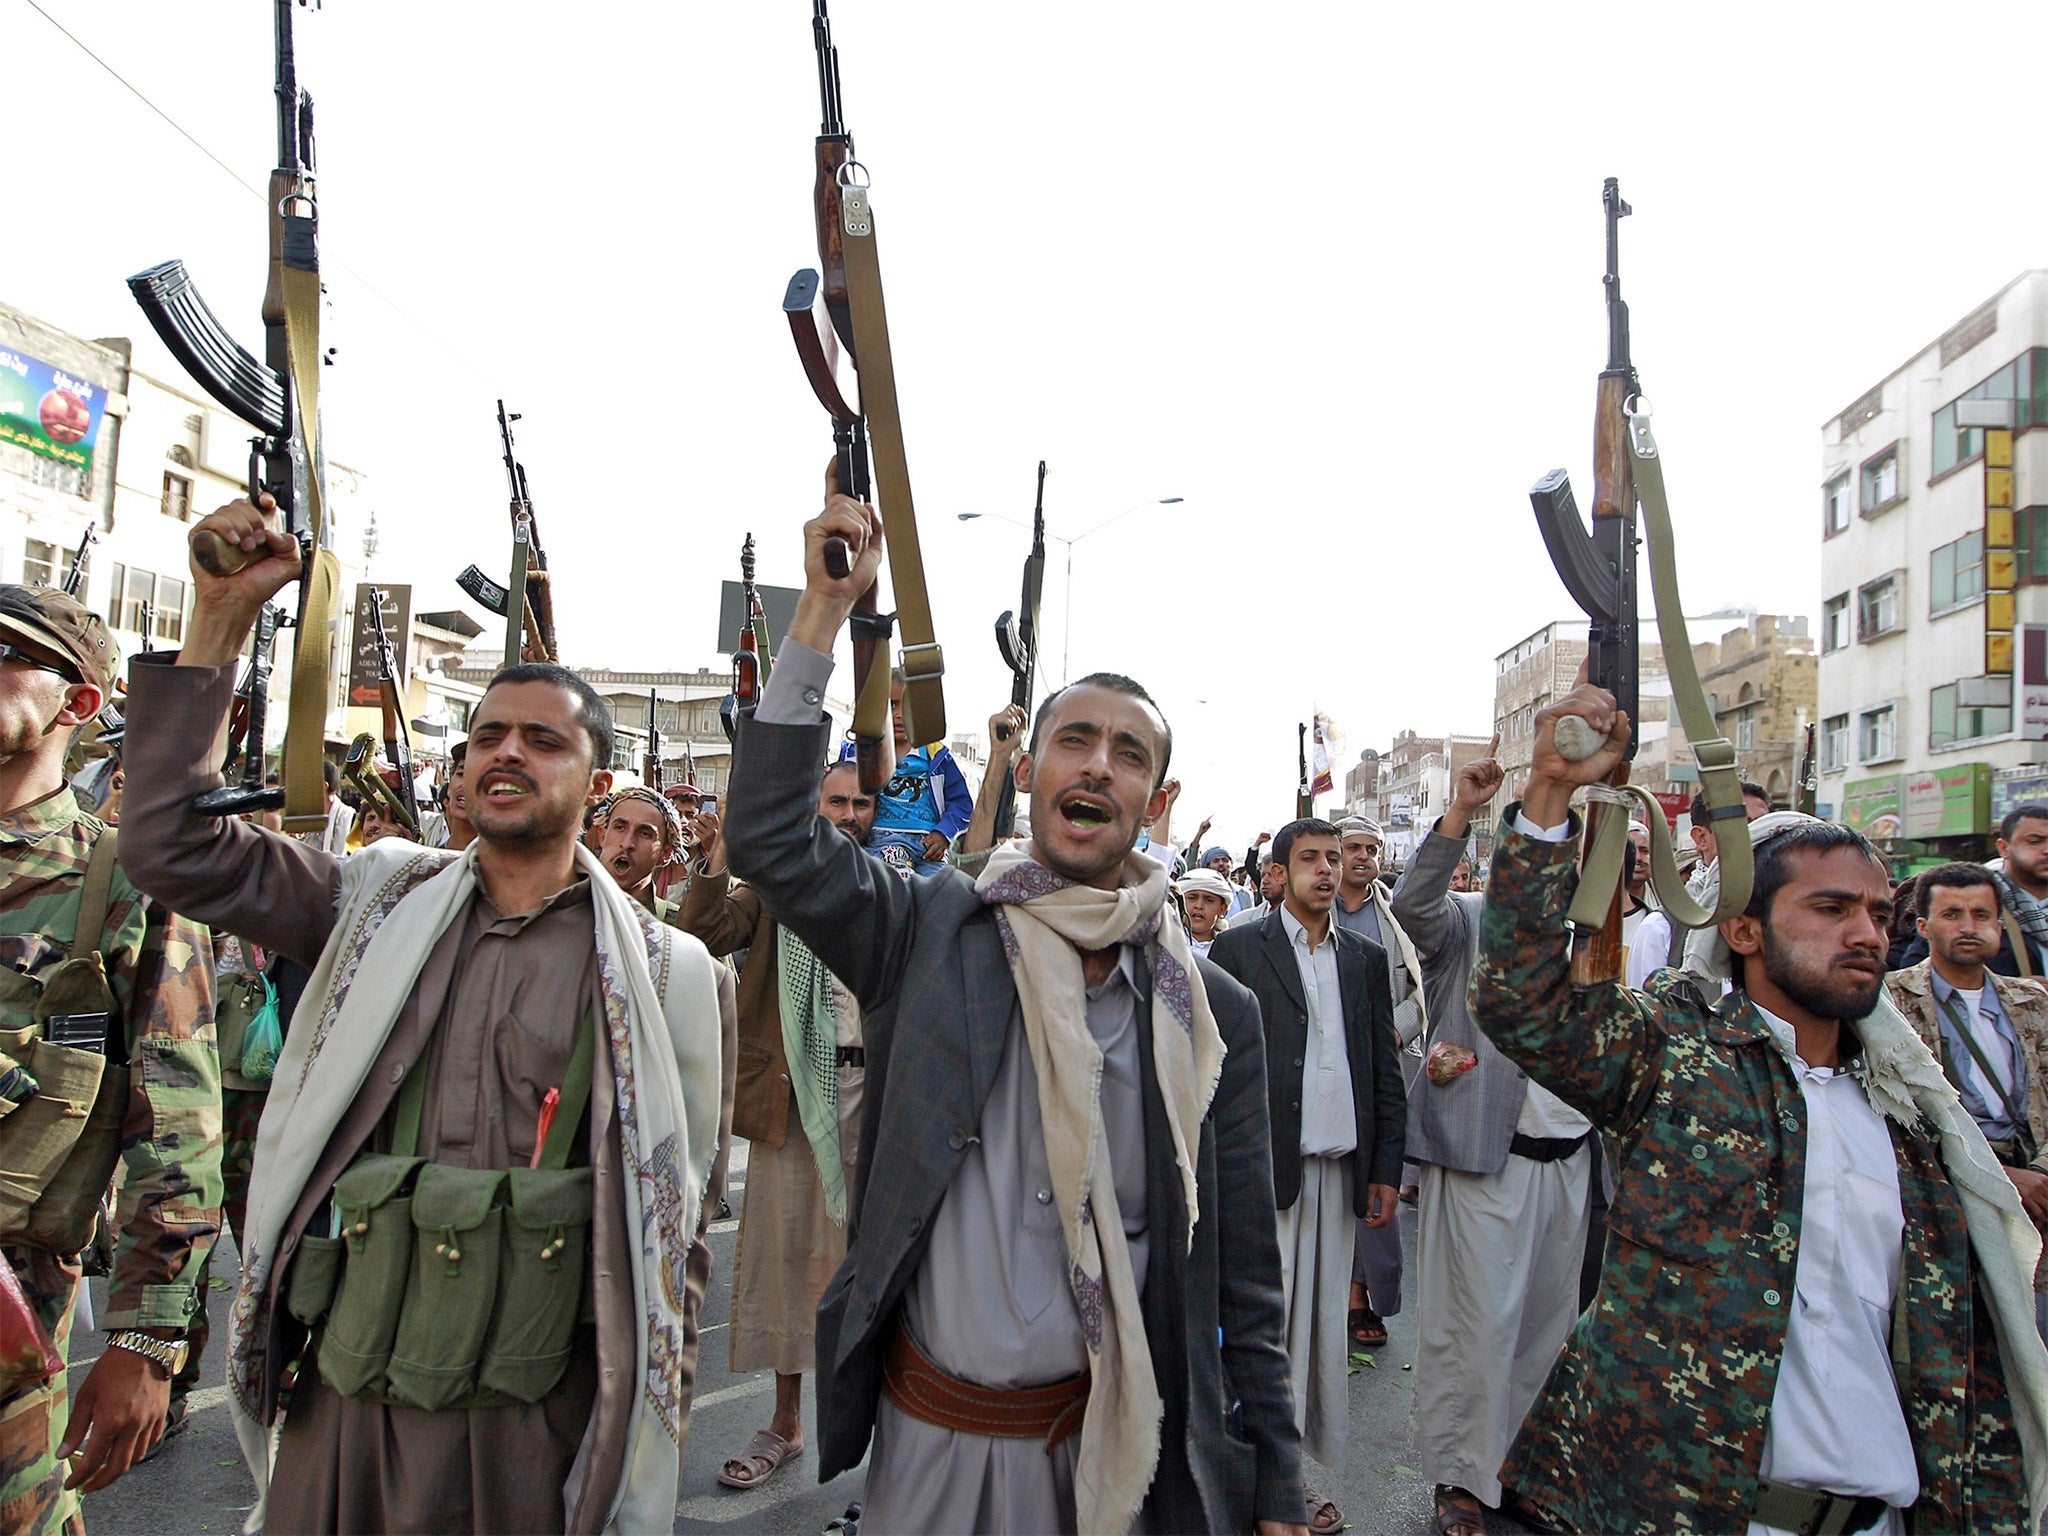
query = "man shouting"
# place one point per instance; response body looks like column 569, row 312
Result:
column 519, row 1067
column 1060, row 1307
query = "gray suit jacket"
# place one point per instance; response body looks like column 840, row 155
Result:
column 1467, row 1124
column 926, row 960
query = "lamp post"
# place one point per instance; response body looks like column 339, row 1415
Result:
column 1067, row 614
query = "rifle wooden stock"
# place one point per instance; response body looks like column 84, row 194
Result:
column 833, row 151
column 1599, row 956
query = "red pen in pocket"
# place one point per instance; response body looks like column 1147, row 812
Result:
column 544, row 1124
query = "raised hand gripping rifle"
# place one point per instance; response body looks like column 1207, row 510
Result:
column 1017, row 639
column 280, row 397
column 1599, row 571
column 391, row 701
column 246, row 730
column 527, row 605
column 838, row 317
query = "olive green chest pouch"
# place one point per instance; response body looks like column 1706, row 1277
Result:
column 61, row 1102
column 448, row 1288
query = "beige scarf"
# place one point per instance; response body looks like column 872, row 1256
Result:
column 1046, row 923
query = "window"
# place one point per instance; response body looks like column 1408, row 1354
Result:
column 1881, row 481
column 1835, row 506
column 135, row 591
column 1745, row 731
column 1948, row 723
column 1878, row 610
column 1834, row 624
column 1834, row 744
column 1958, row 573
column 177, row 496
column 1877, row 734
column 2024, row 379
column 45, row 565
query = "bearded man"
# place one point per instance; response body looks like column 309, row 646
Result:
column 1066, row 1134
column 796, row 1095
column 433, row 1095
column 1816, row 1311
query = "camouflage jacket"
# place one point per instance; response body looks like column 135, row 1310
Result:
column 160, row 968
column 1654, row 1417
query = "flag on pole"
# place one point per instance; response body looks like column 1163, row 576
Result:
column 1323, row 781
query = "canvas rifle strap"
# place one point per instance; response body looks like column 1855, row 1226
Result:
column 305, row 786
column 924, row 666
column 1720, row 779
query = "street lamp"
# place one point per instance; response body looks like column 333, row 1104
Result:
column 1067, row 618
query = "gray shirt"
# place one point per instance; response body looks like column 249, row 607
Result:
column 1329, row 1110
column 1365, row 920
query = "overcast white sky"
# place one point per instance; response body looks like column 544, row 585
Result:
column 1330, row 272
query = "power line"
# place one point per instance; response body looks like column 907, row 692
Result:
column 137, row 94
column 255, row 192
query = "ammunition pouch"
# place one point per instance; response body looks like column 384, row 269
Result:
column 451, row 1288
column 59, row 1143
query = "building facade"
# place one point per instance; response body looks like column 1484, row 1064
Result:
column 1922, row 745
column 1762, row 682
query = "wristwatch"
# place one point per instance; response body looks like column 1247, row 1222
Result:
column 167, row 1353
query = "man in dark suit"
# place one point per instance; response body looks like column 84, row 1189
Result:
column 994, row 1271
column 1339, row 1116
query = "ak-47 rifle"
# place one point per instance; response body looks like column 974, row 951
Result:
column 750, row 656
column 1304, row 791
column 251, row 716
column 841, row 327
column 1809, row 772
column 74, row 579
column 359, row 767
column 527, row 605
column 391, row 700
column 1017, row 639
column 650, row 764
column 280, row 397
column 1599, row 571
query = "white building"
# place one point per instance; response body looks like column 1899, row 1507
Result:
column 1918, row 744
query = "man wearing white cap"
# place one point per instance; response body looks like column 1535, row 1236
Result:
column 1364, row 907
column 1205, row 896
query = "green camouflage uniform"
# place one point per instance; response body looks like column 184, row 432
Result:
column 161, row 971
column 1653, row 1419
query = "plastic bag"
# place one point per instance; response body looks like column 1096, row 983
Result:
column 263, row 1039
column 1445, row 1062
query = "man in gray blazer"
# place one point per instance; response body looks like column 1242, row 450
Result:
column 1504, row 1202
column 963, row 1298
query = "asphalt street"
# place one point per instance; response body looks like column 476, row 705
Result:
column 197, row 1483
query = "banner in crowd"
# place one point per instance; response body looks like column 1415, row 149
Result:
column 49, row 412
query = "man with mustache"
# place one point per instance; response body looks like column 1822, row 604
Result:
column 1339, row 1116
column 499, row 1056
column 1816, row 1310
column 1060, row 1307
column 1990, row 1032
column 796, row 1109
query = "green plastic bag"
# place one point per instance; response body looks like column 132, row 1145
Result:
column 263, row 1039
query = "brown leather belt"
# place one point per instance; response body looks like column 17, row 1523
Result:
column 1051, row 1412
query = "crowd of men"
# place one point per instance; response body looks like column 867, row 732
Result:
column 1075, row 1154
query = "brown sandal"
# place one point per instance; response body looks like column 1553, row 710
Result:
column 1324, row 1517
column 763, row 1455
column 1454, row 1516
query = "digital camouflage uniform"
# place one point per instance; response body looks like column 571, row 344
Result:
column 1653, row 1419
column 161, row 971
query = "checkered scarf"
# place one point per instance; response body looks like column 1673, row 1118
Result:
column 673, row 851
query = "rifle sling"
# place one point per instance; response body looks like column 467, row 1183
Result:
column 924, row 666
column 305, row 787
column 1720, row 778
